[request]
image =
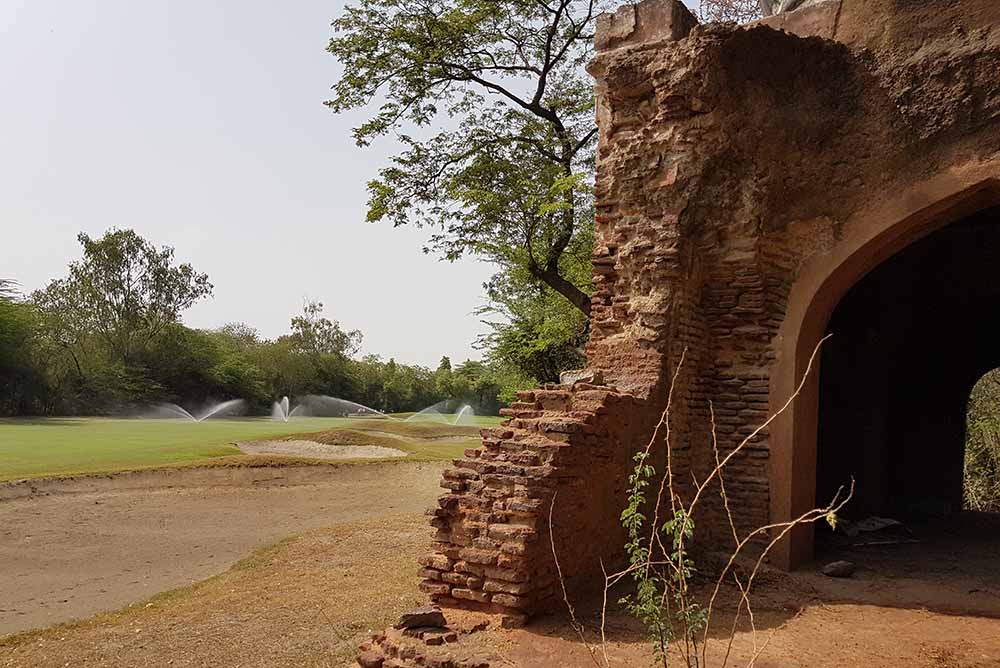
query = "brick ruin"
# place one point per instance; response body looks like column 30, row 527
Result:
column 747, row 178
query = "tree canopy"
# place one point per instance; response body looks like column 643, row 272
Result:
column 494, row 113
column 312, row 333
column 108, row 338
column 124, row 290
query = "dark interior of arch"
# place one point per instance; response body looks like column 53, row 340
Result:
column 910, row 340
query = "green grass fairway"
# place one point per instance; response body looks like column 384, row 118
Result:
column 68, row 446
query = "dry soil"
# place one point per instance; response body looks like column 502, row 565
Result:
column 309, row 600
column 73, row 548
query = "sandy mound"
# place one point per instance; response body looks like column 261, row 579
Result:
column 318, row 450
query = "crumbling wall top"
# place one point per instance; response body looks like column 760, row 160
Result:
column 646, row 22
column 816, row 19
column 877, row 25
column 887, row 25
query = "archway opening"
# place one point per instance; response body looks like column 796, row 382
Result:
column 909, row 341
column 981, row 475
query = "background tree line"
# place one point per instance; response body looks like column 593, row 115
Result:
column 108, row 336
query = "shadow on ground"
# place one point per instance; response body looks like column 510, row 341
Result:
column 933, row 603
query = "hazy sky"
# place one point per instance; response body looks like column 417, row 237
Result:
column 200, row 124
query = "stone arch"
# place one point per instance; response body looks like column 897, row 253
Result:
column 867, row 240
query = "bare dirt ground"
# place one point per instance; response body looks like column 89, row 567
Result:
column 820, row 635
column 73, row 548
column 306, row 602
column 931, row 604
column 309, row 600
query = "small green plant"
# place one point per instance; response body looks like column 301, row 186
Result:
column 660, row 530
column 661, row 599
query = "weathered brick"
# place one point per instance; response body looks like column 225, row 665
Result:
column 511, row 601
column 507, row 532
column 436, row 561
column 471, row 595
column 478, row 556
column 434, row 588
column 502, row 586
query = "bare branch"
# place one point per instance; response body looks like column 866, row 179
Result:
column 675, row 600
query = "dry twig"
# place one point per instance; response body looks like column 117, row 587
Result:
column 676, row 586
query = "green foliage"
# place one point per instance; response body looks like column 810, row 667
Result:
column 22, row 382
column 108, row 337
column 660, row 600
column 502, row 178
column 535, row 333
column 123, row 291
column 478, row 384
column 314, row 334
column 982, row 445
column 392, row 387
column 540, row 337
column 196, row 366
column 650, row 601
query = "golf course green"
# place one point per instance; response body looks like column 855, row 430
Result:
column 33, row 448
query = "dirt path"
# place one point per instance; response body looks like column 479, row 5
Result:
column 305, row 603
column 308, row 602
column 73, row 549
column 818, row 636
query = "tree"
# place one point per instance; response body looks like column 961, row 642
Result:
column 505, row 178
column 477, row 384
column 124, row 290
column 538, row 337
column 312, row 333
column 737, row 11
column 240, row 334
column 22, row 382
column 534, row 334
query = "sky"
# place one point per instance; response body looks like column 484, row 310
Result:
column 200, row 125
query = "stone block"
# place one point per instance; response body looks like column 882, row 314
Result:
column 471, row 595
column 648, row 21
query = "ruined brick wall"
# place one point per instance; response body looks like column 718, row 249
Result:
column 729, row 159
column 492, row 546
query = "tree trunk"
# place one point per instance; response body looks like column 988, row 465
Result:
column 549, row 272
column 575, row 295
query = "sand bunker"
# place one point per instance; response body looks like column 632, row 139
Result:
column 318, row 450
